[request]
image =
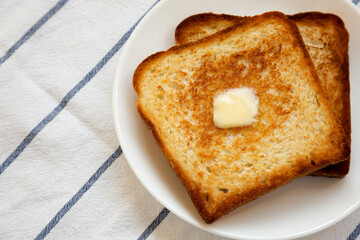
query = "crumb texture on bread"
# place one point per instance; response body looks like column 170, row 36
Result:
column 295, row 131
column 326, row 40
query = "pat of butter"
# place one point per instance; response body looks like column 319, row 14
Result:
column 235, row 108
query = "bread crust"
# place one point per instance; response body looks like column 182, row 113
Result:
column 202, row 21
column 209, row 210
column 191, row 28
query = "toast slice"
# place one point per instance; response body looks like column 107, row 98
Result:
column 295, row 131
column 326, row 39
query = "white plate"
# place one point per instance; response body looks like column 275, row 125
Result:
column 304, row 206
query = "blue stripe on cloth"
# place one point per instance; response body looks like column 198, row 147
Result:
column 36, row 130
column 356, row 1
column 355, row 233
column 33, row 30
column 79, row 194
column 162, row 215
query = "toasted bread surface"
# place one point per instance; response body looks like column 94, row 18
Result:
column 295, row 131
column 326, row 40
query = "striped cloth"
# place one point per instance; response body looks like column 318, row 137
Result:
column 62, row 173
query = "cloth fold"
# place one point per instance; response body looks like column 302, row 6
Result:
column 62, row 173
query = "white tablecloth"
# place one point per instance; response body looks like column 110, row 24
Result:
column 62, row 173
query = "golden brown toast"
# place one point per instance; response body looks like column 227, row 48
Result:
column 295, row 131
column 326, row 40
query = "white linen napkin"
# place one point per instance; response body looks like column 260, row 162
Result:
column 62, row 173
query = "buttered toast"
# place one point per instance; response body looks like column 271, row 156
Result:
column 326, row 39
column 295, row 132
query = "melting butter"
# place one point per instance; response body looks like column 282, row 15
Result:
column 235, row 108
